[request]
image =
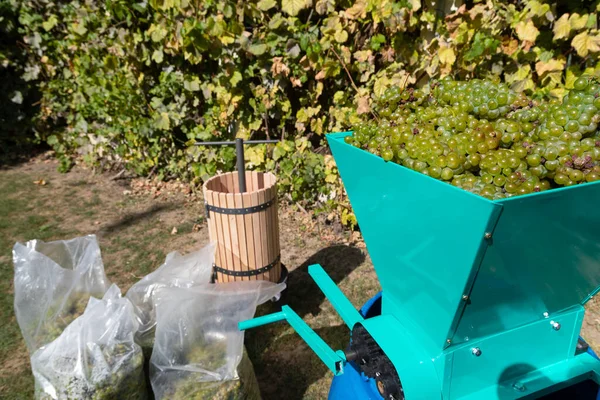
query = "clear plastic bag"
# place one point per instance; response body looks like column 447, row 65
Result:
column 198, row 349
column 53, row 283
column 95, row 357
column 177, row 271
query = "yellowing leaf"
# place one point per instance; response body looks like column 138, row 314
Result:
column 570, row 78
column 415, row 4
column 331, row 178
column 341, row 36
column 255, row 155
column 380, row 86
column 50, row 22
column 325, row 6
column 551, row 65
column 537, row 9
column 358, row 10
column 527, row 31
column 158, row 56
column 363, row 105
column 293, row 7
column 162, row 122
column 157, row 32
column 78, row 28
column 523, row 73
column 265, row 5
column 558, row 93
column 257, row 49
column 447, row 56
column 578, row 21
column 363, row 55
column 562, row 27
column 583, row 44
column 235, row 78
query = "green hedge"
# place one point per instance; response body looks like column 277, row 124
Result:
column 138, row 83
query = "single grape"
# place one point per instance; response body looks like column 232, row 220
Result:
column 447, row 174
column 580, row 83
column 387, row 154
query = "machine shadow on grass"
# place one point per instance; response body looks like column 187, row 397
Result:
column 133, row 218
column 275, row 352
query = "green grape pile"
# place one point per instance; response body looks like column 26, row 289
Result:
column 485, row 138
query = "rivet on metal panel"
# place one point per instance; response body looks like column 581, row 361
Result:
column 448, row 341
column 465, row 297
column 546, row 314
column 555, row 325
column 488, row 235
column 519, row 386
column 476, row 351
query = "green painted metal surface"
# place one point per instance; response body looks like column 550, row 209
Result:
column 334, row 360
column 415, row 367
column 544, row 257
column 460, row 272
column 340, row 303
column 424, row 237
column 427, row 241
column 523, row 362
column 508, row 357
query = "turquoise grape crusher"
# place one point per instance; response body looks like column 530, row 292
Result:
column 480, row 299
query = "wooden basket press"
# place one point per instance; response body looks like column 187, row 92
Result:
column 245, row 226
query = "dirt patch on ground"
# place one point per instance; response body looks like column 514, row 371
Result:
column 138, row 223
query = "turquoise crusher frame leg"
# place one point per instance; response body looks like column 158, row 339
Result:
column 334, row 360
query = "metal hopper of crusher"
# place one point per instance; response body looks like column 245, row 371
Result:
column 480, row 299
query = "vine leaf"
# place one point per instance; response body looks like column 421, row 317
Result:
column 552, row 65
column 584, row 44
column 562, row 27
column 447, row 55
column 293, row 7
column 265, row 5
column 527, row 31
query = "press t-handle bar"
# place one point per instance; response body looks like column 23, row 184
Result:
column 239, row 151
column 334, row 360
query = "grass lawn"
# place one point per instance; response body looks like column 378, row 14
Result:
column 135, row 234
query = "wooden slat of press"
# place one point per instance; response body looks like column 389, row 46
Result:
column 226, row 238
column 249, row 182
column 230, row 186
column 275, row 228
column 236, row 182
column 271, row 242
column 212, row 232
column 256, row 227
column 241, row 225
column 269, row 229
column 221, row 202
column 219, row 236
column 249, row 232
column 264, row 244
column 233, row 232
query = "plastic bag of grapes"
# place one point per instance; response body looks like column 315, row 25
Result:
column 95, row 357
column 199, row 350
column 53, row 283
column 177, row 271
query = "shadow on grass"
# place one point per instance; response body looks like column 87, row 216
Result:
column 303, row 294
column 134, row 218
column 304, row 297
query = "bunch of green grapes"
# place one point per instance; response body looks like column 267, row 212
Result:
column 483, row 137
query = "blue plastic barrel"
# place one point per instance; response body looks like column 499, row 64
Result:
column 354, row 385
